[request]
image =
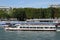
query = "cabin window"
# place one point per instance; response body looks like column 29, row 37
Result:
column 58, row 27
column 41, row 27
column 34, row 27
column 20, row 27
column 30, row 27
column 24, row 27
column 52, row 27
column 38, row 27
column 27, row 27
column 45, row 21
column 46, row 27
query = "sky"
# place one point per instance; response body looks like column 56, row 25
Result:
column 28, row 3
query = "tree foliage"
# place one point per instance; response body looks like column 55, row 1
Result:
column 30, row 13
column 3, row 14
column 19, row 14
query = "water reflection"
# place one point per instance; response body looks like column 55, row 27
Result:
column 57, row 37
column 31, row 35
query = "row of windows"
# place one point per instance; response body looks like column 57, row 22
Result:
column 37, row 27
column 46, row 21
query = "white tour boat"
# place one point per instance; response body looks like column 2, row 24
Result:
column 32, row 28
column 35, row 25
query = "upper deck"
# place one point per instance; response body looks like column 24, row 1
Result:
column 44, row 20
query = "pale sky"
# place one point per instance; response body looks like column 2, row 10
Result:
column 28, row 3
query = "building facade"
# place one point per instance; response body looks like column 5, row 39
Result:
column 55, row 5
column 6, row 9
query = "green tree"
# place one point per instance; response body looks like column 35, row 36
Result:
column 19, row 14
column 3, row 14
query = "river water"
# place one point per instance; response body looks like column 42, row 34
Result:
column 29, row 35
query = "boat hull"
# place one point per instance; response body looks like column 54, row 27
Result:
column 26, row 29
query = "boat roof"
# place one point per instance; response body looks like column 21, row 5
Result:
column 37, row 23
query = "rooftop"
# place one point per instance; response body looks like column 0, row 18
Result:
column 4, row 7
